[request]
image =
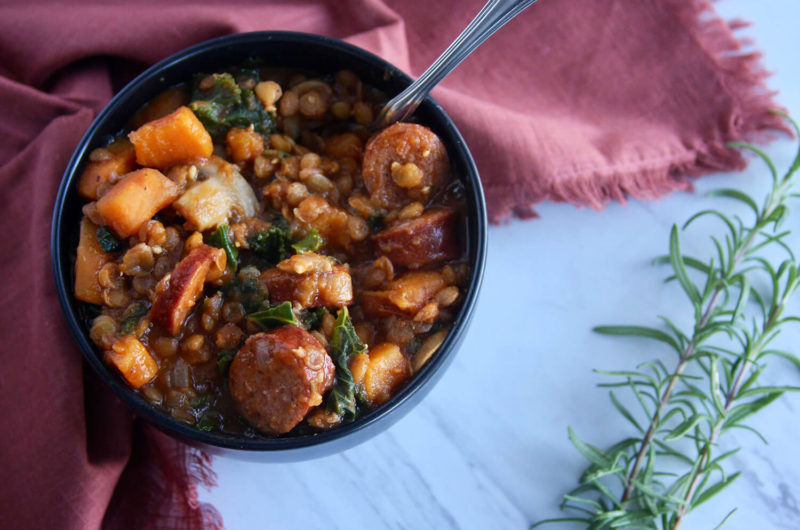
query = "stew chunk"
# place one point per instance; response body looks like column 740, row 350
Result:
column 170, row 140
column 208, row 204
column 387, row 369
column 133, row 360
column 404, row 296
column 178, row 291
column 90, row 259
column 310, row 280
column 278, row 376
column 422, row 240
column 106, row 163
column 135, row 199
column 404, row 162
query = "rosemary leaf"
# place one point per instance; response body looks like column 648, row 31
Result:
column 676, row 259
column 713, row 490
column 737, row 195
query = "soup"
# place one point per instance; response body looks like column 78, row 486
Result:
column 260, row 262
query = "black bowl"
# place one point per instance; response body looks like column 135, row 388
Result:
column 280, row 49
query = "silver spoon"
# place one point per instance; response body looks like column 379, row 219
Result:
column 491, row 17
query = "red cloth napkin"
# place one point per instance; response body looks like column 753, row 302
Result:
column 575, row 100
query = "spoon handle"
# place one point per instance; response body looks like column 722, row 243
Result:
column 491, row 17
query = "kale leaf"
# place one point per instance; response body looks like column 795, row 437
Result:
column 250, row 68
column 246, row 291
column 108, row 241
column 273, row 244
column 224, row 360
column 344, row 345
column 312, row 318
column 220, row 238
column 210, row 420
column 274, row 317
column 131, row 317
column 308, row 243
column 227, row 105
column 224, row 92
column 251, row 112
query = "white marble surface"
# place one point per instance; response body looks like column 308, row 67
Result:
column 488, row 447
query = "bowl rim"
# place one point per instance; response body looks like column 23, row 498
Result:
column 365, row 422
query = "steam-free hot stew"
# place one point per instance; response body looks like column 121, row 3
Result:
column 264, row 264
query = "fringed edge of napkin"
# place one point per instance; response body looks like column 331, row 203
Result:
column 750, row 120
column 199, row 472
column 180, row 470
column 167, row 473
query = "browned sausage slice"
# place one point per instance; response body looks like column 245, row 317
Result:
column 310, row 280
column 420, row 241
column 178, row 291
column 313, row 289
column 278, row 376
column 404, row 162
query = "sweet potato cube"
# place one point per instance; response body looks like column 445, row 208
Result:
column 135, row 199
column 91, row 258
column 133, row 360
column 165, row 103
column 177, row 292
column 114, row 160
column 175, row 138
column 388, row 368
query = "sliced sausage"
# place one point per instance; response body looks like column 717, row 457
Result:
column 310, row 280
column 278, row 376
column 312, row 289
column 404, row 162
column 420, row 241
column 177, row 292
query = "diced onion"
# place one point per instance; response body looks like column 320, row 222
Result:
column 180, row 376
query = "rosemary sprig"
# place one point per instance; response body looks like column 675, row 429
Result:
column 713, row 386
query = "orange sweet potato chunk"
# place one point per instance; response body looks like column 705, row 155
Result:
column 388, row 368
column 114, row 160
column 135, row 199
column 132, row 360
column 173, row 139
column 161, row 105
column 90, row 260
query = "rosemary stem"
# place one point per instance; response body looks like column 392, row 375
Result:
column 733, row 393
column 687, row 354
column 664, row 400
